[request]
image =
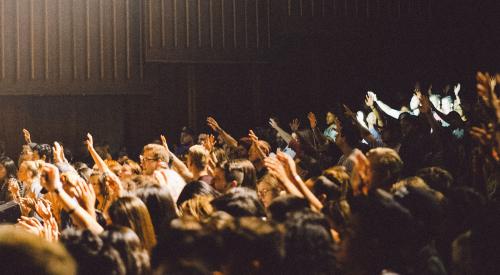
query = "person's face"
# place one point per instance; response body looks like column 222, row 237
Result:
column 186, row 138
column 148, row 162
column 265, row 193
column 330, row 118
column 126, row 171
column 24, row 174
column 219, row 180
column 3, row 172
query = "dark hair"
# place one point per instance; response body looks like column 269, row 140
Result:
column 308, row 244
column 24, row 253
column 92, row 255
column 132, row 212
column 10, row 167
column 160, row 205
column 261, row 243
column 44, row 150
column 128, row 244
column 240, row 202
column 242, row 171
column 282, row 205
column 437, row 178
column 324, row 186
column 196, row 188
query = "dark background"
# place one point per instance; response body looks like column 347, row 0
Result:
column 313, row 64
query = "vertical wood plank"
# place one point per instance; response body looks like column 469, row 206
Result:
column 87, row 40
column 187, row 22
column 162, row 17
column 198, row 9
column 46, row 39
column 101, row 39
column 257, row 34
column 18, row 46
column 32, row 40
column 127, row 34
column 175, row 23
column 2, row 36
column 211, row 11
column 115, row 57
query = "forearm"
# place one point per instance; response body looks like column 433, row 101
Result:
column 99, row 161
column 283, row 134
column 388, row 110
column 313, row 200
column 230, row 141
column 380, row 121
column 181, row 168
column 78, row 214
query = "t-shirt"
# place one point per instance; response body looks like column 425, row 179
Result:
column 175, row 183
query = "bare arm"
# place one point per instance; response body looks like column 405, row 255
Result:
column 230, row 141
column 178, row 164
column 282, row 133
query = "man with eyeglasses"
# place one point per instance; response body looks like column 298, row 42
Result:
column 154, row 162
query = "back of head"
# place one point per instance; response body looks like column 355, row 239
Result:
column 308, row 244
column 91, row 254
column 262, row 243
column 437, row 178
column 160, row 204
column 196, row 188
column 386, row 166
column 132, row 212
column 24, row 253
column 44, row 152
column 283, row 205
column 198, row 156
column 242, row 172
column 240, row 202
column 128, row 244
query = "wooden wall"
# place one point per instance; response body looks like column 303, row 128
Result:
column 70, row 47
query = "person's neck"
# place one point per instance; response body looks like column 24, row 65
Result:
column 199, row 173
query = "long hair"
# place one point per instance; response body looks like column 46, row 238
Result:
column 132, row 212
column 10, row 167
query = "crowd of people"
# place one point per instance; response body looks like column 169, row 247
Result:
column 410, row 190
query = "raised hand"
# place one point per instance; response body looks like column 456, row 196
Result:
column 58, row 152
column 89, row 141
column 50, row 177
column 13, row 188
column 372, row 95
column 212, row 123
column 294, row 125
column 312, row 120
column 85, row 195
column 31, row 225
column 253, row 137
column 348, row 112
column 288, row 163
column 27, row 136
column 209, row 143
column 273, row 123
column 276, row 168
column 43, row 209
column 456, row 89
column 164, row 143
column 361, row 175
column 369, row 100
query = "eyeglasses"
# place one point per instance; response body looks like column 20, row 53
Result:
column 144, row 159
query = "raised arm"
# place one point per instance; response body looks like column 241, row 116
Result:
column 98, row 160
column 230, row 141
column 255, row 143
column 426, row 109
column 27, row 136
column 51, row 181
column 370, row 102
column 178, row 164
column 385, row 108
column 363, row 130
column 282, row 133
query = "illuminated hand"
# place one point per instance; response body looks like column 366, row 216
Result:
column 456, row 89
column 212, row 123
column 209, row 143
column 361, row 175
column 27, row 136
column 369, row 100
column 276, row 168
column 294, row 125
column 273, row 123
column 372, row 95
column 164, row 143
column 253, row 137
column 90, row 141
column 312, row 120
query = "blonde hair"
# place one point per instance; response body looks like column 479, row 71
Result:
column 159, row 152
column 198, row 156
column 198, row 207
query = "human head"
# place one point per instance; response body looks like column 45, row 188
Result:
column 26, row 154
column 154, row 157
column 201, row 138
column 91, row 254
column 199, row 207
column 386, row 166
column 132, row 212
column 27, row 254
column 308, row 244
column 127, row 243
column 240, row 202
column 197, row 158
column 8, row 168
column 330, row 118
column 43, row 152
column 437, row 178
column 160, row 204
column 283, row 205
column 253, row 153
column 196, row 188
column 187, row 136
column 268, row 188
column 233, row 173
column 29, row 170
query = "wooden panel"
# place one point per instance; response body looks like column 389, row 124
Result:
column 207, row 30
column 70, row 46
